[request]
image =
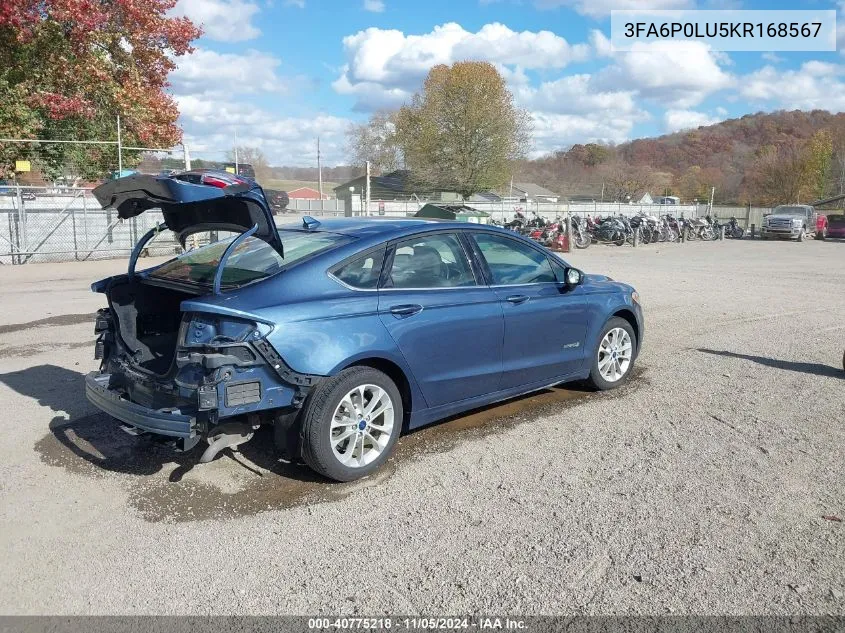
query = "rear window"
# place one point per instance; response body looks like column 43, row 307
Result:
column 252, row 259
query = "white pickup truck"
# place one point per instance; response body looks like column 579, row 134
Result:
column 791, row 221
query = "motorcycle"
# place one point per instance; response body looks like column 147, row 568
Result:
column 733, row 229
column 700, row 228
column 580, row 233
column 614, row 230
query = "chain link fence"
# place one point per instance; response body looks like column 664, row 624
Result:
column 59, row 224
column 39, row 224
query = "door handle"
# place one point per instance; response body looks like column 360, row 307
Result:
column 518, row 298
column 406, row 310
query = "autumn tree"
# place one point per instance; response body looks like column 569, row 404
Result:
column 591, row 154
column 375, row 141
column 69, row 67
column 793, row 171
column 624, row 182
column 462, row 132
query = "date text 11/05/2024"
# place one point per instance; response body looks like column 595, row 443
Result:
column 418, row 623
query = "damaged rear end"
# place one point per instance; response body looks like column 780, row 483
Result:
column 176, row 360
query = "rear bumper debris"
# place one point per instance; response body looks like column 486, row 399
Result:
column 170, row 422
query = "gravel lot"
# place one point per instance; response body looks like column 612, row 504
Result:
column 701, row 487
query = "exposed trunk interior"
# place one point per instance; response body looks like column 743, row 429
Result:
column 148, row 318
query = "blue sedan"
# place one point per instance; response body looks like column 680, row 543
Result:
column 341, row 333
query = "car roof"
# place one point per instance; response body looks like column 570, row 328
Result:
column 371, row 226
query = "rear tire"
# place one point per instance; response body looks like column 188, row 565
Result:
column 613, row 355
column 801, row 235
column 334, row 442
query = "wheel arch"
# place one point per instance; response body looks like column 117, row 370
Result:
column 395, row 373
column 628, row 315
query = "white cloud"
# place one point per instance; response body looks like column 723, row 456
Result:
column 221, row 20
column 602, row 8
column 557, row 131
column 375, row 6
column 576, row 94
column 601, row 43
column 385, row 66
column 679, row 74
column 816, row 85
column 209, row 72
column 677, row 120
column 774, row 58
column 210, row 125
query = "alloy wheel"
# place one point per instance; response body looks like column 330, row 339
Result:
column 615, row 354
column 362, row 425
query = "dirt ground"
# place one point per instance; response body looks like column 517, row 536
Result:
column 712, row 483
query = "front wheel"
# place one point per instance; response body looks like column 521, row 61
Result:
column 801, row 235
column 613, row 358
column 351, row 423
column 582, row 240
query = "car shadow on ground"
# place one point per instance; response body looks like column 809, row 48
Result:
column 79, row 439
column 805, row 368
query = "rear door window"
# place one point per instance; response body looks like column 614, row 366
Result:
column 430, row 261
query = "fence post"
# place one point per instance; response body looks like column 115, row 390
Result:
column 753, row 229
column 747, row 214
column 722, row 232
column 636, row 237
column 18, row 211
column 73, row 224
column 85, row 219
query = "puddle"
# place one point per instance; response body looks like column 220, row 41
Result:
column 171, row 487
column 62, row 319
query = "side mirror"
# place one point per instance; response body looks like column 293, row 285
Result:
column 573, row 277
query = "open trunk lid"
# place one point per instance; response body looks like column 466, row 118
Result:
column 192, row 208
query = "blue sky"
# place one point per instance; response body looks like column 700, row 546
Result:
column 278, row 73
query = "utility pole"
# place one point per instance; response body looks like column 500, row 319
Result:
column 236, row 150
column 187, row 157
column 368, row 188
column 119, row 150
column 712, row 195
column 319, row 170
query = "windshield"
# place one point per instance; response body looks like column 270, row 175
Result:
column 251, row 260
column 790, row 210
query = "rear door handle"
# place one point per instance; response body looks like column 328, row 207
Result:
column 518, row 298
column 406, row 310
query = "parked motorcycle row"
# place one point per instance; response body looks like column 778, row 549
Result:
column 620, row 229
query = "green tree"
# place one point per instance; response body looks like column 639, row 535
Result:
column 462, row 132
column 818, row 157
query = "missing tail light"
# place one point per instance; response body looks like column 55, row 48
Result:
column 211, row 329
